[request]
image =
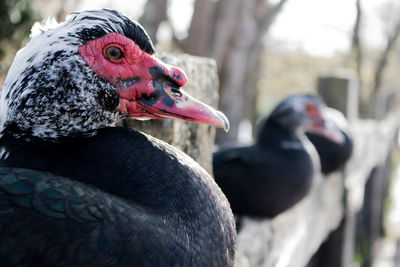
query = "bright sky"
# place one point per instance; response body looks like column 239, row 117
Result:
column 319, row 27
column 133, row 8
column 322, row 27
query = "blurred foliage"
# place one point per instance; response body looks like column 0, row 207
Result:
column 389, row 201
column 290, row 72
column 358, row 259
column 17, row 17
column 283, row 72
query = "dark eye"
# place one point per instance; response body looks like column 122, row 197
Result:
column 114, row 53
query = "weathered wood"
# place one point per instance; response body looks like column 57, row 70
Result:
column 291, row 238
column 339, row 90
column 330, row 253
column 194, row 139
column 373, row 148
column 370, row 218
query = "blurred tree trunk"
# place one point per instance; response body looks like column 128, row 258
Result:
column 225, row 23
column 242, row 64
column 356, row 50
column 355, row 59
column 372, row 107
column 232, row 32
column 154, row 13
column 265, row 17
column 233, row 71
column 356, row 39
column 379, row 71
column 199, row 36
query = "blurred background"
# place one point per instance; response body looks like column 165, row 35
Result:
column 264, row 49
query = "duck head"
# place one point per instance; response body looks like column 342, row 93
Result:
column 88, row 72
column 306, row 112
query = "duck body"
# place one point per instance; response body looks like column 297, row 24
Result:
column 332, row 155
column 276, row 172
column 113, row 205
column 77, row 191
column 268, row 177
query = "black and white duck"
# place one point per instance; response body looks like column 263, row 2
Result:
column 77, row 191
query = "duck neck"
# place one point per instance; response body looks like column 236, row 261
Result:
column 119, row 161
column 275, row 136
column 157, row 178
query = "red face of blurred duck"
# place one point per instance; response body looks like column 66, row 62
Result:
column 148, row 88
column 321, row 126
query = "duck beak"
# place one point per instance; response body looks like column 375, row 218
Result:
column 168, row 102
column 321, row 126
column 328, row 130
column 159, row 95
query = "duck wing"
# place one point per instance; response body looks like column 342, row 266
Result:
column 246, row 155
column 47, row 220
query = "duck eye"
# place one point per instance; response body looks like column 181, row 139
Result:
column 311, row 109
column 114, row 53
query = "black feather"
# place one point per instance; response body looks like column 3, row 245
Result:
column 267, row 178
column 113, row 23
column 332, row 155
column 127, row 200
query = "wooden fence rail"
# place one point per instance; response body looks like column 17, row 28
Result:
column 292, row 238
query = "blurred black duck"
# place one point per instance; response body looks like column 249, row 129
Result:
column 77, row 191
column 276, row 172
column 333, row 153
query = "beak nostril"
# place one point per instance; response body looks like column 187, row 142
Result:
column 176, row 92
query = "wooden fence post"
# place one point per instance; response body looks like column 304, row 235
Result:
column 339, row 90
column 363, row 206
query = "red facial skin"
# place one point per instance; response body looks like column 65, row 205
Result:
column 321, row 127
column 147, row 87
